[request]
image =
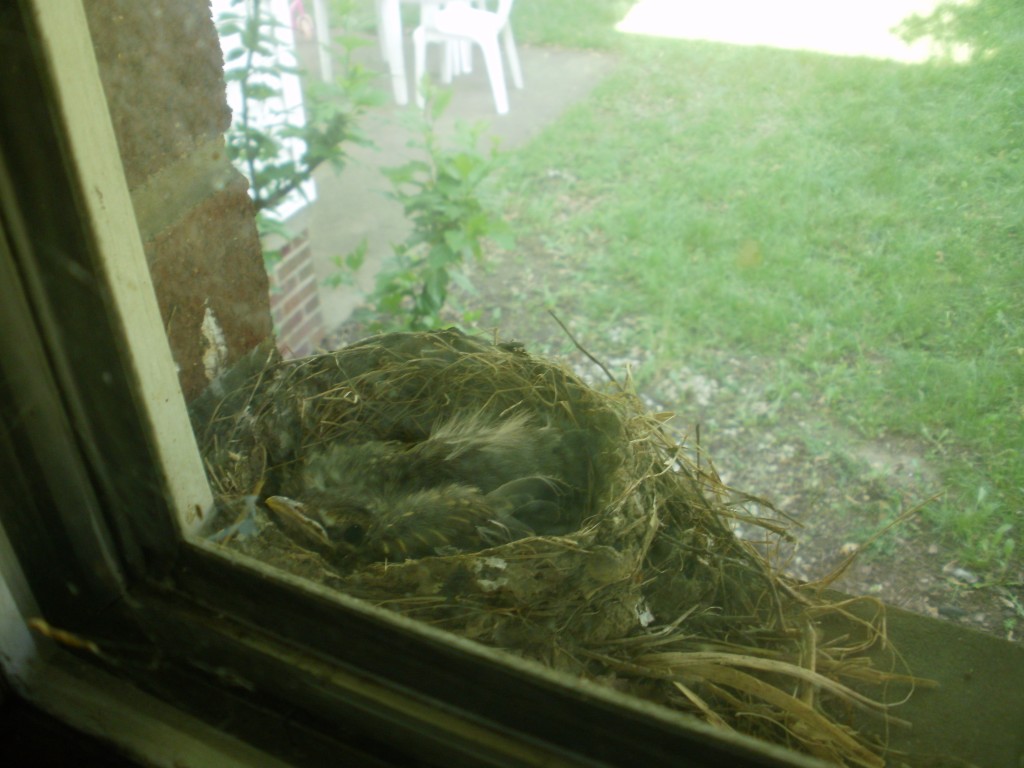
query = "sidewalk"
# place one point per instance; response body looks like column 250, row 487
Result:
column 352, row 206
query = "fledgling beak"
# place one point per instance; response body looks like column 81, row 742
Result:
column 299, row 520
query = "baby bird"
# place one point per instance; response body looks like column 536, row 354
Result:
column 476, row 481
column 394, row 528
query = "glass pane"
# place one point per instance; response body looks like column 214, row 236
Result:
column 389, row 324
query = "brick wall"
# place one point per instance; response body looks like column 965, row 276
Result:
column 295, row 300
column 162, row 71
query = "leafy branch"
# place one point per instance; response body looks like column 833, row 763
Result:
column 441, row 194
column 277, row 150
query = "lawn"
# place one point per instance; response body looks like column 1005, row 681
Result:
column 857, row 222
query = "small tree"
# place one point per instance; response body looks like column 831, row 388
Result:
column 988, row 29
column 441, row 194
column 278, row 145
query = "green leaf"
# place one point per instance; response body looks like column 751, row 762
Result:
column 457, row 240
column 228, row 28
column 357, row 258
column 462, row 280
column 440, row 256
column 435, row 289
column 259, row 91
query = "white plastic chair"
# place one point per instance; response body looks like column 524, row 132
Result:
column 456, row 23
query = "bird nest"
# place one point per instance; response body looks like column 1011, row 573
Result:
column 650, row 591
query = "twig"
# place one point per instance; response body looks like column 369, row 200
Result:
column 580, row 347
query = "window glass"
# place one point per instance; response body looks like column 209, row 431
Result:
column 431, row 355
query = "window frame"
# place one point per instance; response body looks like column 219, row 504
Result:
column 103, row 481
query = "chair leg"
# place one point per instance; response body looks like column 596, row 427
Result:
column 378, row 8
column 419, row 44
column 455, row 61
column 514, row 70
column 449, row 62
column 495, row 73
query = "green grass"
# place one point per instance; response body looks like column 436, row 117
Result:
column 860, row 221
column 569, row 23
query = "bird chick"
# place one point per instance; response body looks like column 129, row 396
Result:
column 397, row 527
column 542, row 471
column 475, row 481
